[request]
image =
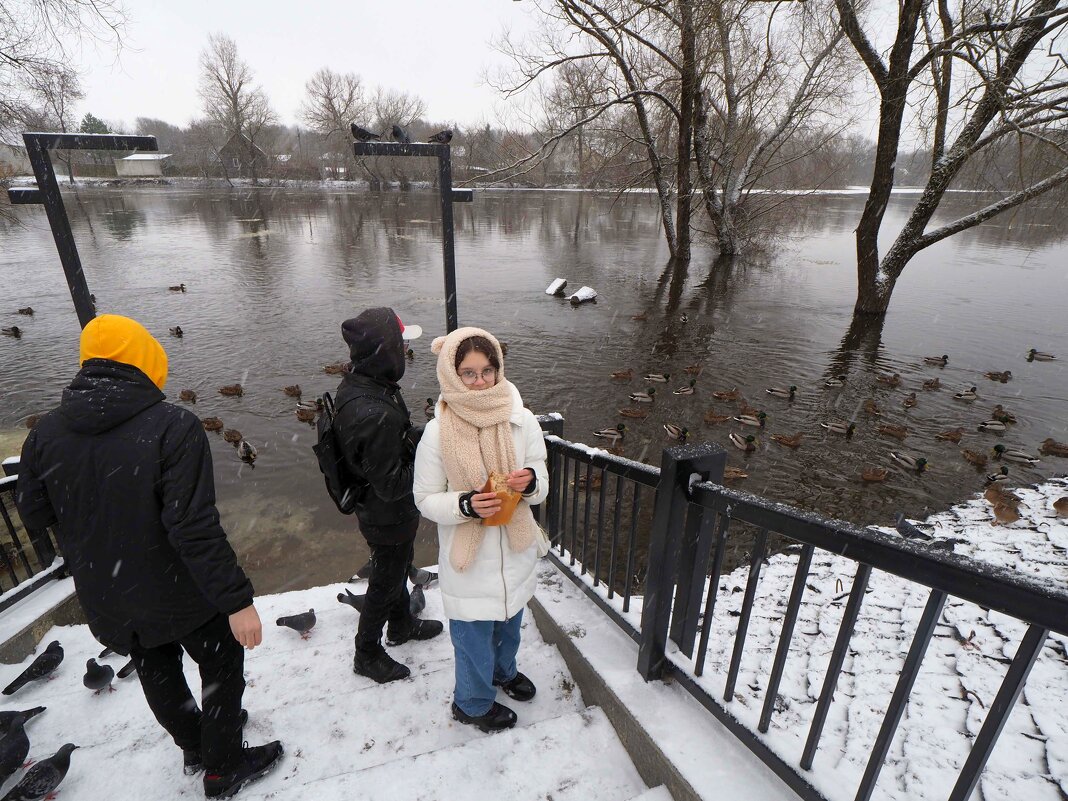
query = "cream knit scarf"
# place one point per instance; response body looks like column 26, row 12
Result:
column 476, row 438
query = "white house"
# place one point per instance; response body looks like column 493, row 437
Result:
column 141, row 165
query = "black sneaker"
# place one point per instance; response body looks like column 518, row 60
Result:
column 255, row 762
column 191, row 759
column 379, row 666
column 498, row 718
column 520, row 688
column 417, row 630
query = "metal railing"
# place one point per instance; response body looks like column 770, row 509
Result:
column 27, row 556
column 682, row 550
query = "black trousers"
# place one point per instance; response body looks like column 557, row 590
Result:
column 215, row 732
column 387, row 590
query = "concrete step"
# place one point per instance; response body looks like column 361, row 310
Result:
column 654, row 794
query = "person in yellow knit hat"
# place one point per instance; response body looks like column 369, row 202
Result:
column 126, row 479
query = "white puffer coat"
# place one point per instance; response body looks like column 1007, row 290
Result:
column 499, row 582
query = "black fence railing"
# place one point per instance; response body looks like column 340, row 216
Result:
column 26, row 555
column 675, row 557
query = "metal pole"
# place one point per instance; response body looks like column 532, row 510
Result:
column 448, row 255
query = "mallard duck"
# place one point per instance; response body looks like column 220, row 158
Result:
column 873, row 474
column 890, row 380
column 428, row 410
column 714, row 419
column 212, row 423
column 337, row 368
column 779, row 392
column 746, row 443
column 1038, row 356
column 836, row 381
column 757, row 420
column 895, row 431
column 840, row 427
column 974, row 457
column 919, row 464
column 613, row 434
column 684, row 318
column 633, row 413
column 660, row 378
column 292, row 391
column 1001, row 475
column 1003, row 415
column 676, row 432
column 232, row 435
column 32, row 420
column 789, row 442
column 992, row 425
column 941, row 361
column 594, row 484
column 1004, row 377
column 246, row 451
column 688, row 389
column 727, row 394
column 641, row 318
column 1001, row 452
column 187, row 395
column 305, row 415
column 232, row 390
column 28, row 311
column 967, row 395
column 952, row 435
column 1050, row 447
column 643, row 397
column 693, row 369
column 13, row 331
column 734, row 474
column 179, row 288
column 623, row 375
column 909, row 400
column 316, row 405
column 1060, row 506
column 1006, row 514
column 177, row 331
column 932, row 384
column 871, row 407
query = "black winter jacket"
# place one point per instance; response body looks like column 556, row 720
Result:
column 127, row 480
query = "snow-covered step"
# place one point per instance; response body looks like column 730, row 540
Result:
column 573, row 757
column 654, row 794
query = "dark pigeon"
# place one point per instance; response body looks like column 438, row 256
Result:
column 41, row 667
column 126, row 669
column 362, row 134
column 98, row 677
column 303, row 623
column 13, row 749
column 441, row 137
column 7, row 717
column 401, row 135
column 355, row 601
column 43, row 778
column 419, row 575
column 417, row 601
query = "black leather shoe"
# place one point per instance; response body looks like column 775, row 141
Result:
column 498, row 718
column 192, row 763
column 417, row 630
column 379, row 666
column 254, row 763
column 520, row 687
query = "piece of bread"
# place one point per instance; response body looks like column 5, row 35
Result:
column 498, row 483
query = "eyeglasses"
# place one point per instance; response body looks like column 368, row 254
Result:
column 471, row 376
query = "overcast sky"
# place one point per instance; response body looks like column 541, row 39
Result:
column 437, row 50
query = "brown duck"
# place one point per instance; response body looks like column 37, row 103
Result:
column 874, row 474
column 1002, row 415
column 895, row 431
column 232, row 435
column 734, row 474
column 871, row 407
column 932, row 384
column 623, row 375
column 909, row 401
column 337, row 368
column 789, row 442
column 306, row 415
column 292, row 391
column 232, row 390
column 1050, row 447
column 1060, row 506
column 952, row 435
column 713, row 419
column 634, row 413
column 890, row 380
column 187, row 395
column 693, row 369
column 727, row 394
column 212, row 423
column 974, row 457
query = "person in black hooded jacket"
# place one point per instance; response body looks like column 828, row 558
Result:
column 127, row 481
column 378, row 442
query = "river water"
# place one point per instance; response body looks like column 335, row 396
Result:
column 271, row 273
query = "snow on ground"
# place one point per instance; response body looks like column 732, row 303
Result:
column 345, row 736
column 961, row 672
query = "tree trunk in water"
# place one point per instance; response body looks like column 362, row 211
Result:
column 684, row 185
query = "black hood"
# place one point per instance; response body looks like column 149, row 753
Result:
column 375, row 345
column 105, row 394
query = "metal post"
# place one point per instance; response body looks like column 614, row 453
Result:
column 447, row 253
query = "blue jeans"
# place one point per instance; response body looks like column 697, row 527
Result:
column 485, row 651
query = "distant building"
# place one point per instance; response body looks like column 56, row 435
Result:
column 13, row 159
column 239, row 156
column 141, row 165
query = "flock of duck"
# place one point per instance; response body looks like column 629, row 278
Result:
column 749, row 417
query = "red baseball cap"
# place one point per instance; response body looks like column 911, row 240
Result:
column 409, row 331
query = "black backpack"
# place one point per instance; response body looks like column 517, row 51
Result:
column 345, row 489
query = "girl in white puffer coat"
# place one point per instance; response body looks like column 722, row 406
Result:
column 487, row 573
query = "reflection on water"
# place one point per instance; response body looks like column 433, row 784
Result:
column 271, row 273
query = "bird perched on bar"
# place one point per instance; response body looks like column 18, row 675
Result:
column 98, row 677
column 42, row 779
column 7, row 718
column 14, row 748
column 179, row 288
column 177, row 331
column 232, row 390
column 188, row 396
column 40, row 668
column 13, row 331
column 361, row 134
column 400, row 135
column 232, row 435
column 28, row 311
column 302, row 623
column 212, row 424
column 441, row 137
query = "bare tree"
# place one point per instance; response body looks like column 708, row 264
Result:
column 389, row 107
column 974, row 78
column 48, row 104
column 333, row 101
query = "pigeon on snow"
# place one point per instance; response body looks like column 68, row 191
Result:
column 362, row 134
column 7, row 717
column 355, row 601
column 43, row 778
column 417, row 601
column 44, row 665
column 419, row 575
column 303, row 623
column 13, row 749
column 98, row 677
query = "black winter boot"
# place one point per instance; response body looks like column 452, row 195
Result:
column 498, row 718
column 520, row 687
column 254, row 763
column 379, row 666
column 192, row 763
column 415, row 629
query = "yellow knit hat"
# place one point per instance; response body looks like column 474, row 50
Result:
column 121, row 339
